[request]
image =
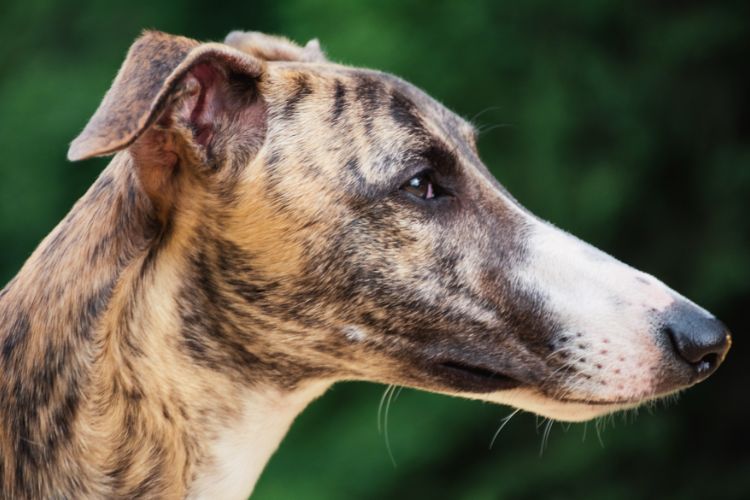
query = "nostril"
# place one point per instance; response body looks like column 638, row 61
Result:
column 707, row 363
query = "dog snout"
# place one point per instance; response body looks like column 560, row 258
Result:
column 697, row 338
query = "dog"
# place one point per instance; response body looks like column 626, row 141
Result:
column 272, row 223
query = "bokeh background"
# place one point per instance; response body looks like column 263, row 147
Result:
column 626, row 123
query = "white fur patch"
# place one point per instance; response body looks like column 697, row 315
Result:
column 354, row 333
column 539, row 404
column 607, row 309
column 239, row 453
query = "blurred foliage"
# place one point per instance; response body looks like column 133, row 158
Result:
column 627, row 123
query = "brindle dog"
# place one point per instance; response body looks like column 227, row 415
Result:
column 272, row 223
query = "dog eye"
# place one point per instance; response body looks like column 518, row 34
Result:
column 421, row 186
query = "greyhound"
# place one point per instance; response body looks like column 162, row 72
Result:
column 272, row 223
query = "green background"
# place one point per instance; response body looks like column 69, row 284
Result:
column 626, row 123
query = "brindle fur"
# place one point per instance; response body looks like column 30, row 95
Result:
column 209, row 258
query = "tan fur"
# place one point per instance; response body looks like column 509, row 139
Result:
column 249, row 245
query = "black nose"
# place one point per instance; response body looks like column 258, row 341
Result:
column 698, row 338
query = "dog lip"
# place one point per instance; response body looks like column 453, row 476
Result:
column 473, row 378
column 611, row 402
column 595, row 402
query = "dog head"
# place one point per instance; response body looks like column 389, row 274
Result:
column 345, row 223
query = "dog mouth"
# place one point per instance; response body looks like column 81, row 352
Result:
column 473, row 378
column 499, row 383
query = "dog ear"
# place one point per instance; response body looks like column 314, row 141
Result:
column 176, row 101
column 274, row 48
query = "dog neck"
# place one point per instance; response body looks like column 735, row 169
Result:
column 239, row 452
column 118, row 378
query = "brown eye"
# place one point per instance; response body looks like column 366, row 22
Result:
column 421, row 186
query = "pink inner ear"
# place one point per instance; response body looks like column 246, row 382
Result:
column 214, row 100
column 205, row 101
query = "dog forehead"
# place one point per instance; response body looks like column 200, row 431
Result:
column 371, row 88
column 361, row 127
column 430, row 106
column 451, row 123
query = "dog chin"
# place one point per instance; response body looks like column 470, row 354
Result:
column 568, row 411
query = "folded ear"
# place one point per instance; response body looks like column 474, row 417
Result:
column 177, row 102
column 274, row 48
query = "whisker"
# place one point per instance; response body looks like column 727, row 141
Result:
column 385, row 424
column 490, row 128
column 560, row 350
column 380, row 406
column 503, row 423
column 485, row 110
column 545, row 436
column 597, row 426
column 565, row 366
column 398, row 392
column 539, row 422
